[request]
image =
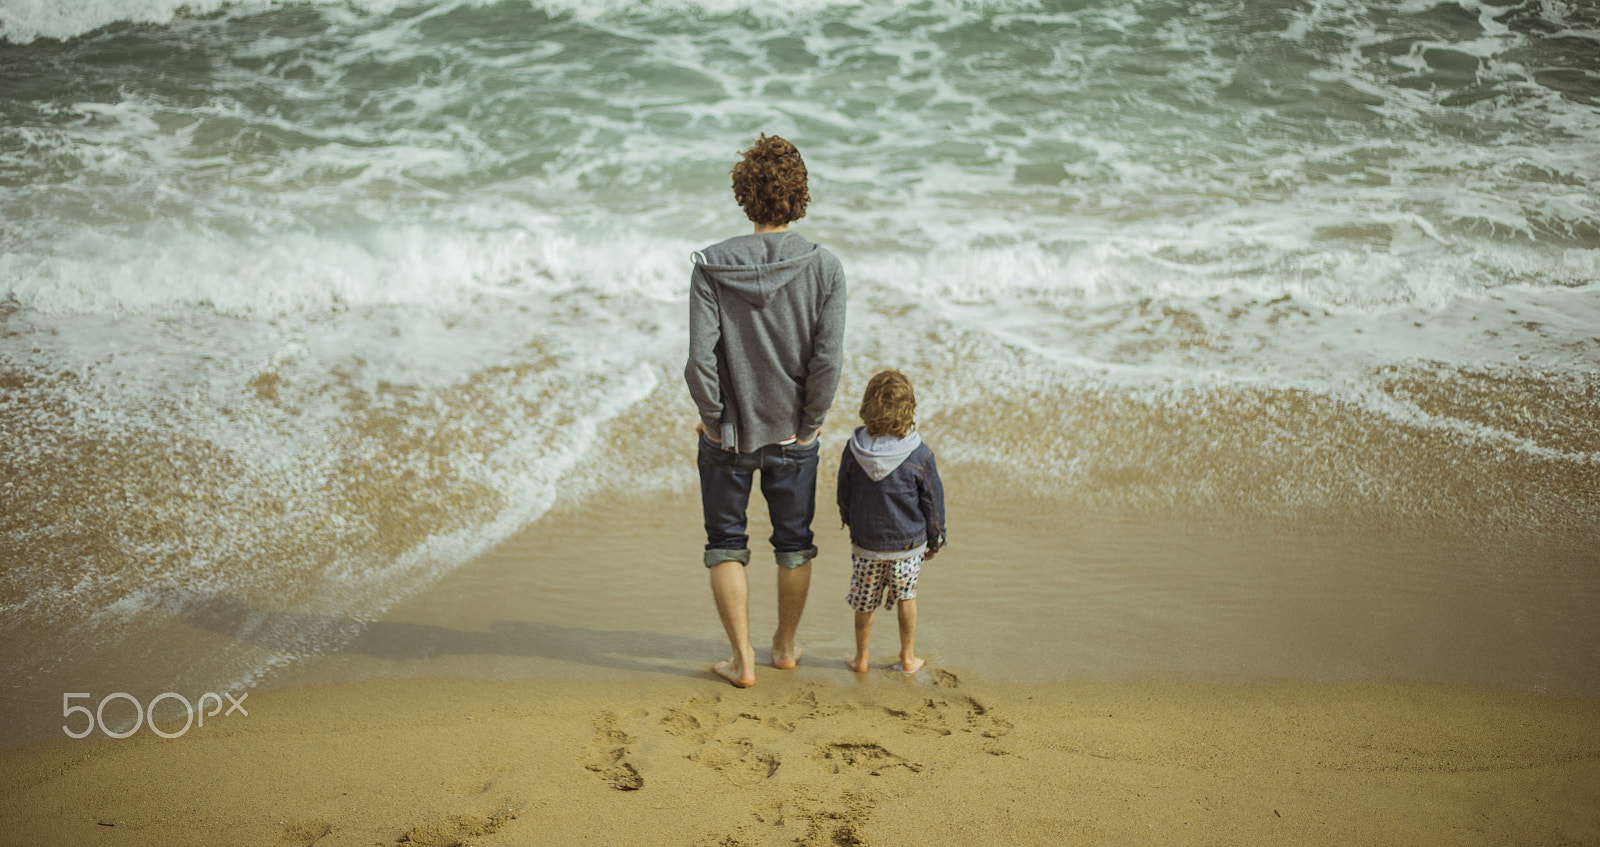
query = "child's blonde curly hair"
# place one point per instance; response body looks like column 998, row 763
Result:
column 889, row 406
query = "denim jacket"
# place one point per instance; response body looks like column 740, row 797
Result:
column 899, row 512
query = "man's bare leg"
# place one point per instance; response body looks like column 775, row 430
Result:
column 732, row 594
column 908, row 637
column 793, row 586
column 863, row 635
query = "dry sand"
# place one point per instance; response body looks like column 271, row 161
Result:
column 877, row 759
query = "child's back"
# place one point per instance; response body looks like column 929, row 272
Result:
column 891, row 497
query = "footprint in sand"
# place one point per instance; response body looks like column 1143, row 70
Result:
column 306, row 833
column 454, row 830
column 948, row 715
column 983, row 721
column 681, row 721
column 607, row 755
column 928, row 719
column 738, row 760
column 803, row 820
column 725, row 733
column 861, row 755
column 740, row 736
column 839, row 821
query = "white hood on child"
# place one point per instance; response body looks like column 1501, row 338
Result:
column 880, row 455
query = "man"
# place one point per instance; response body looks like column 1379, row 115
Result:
column 766, row 338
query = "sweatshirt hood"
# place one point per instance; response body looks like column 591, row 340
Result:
column 756, row 267
column 880, row 455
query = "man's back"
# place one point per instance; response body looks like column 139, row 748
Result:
column 766, row 327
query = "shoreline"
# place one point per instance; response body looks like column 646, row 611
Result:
column 1032, row 591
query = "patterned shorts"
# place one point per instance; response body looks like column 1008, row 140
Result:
column 875, row 582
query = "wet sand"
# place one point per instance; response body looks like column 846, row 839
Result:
column 1099, row 679
column 1031, row 590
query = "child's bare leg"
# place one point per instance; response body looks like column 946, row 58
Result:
column 863, row 635
column 908, row 636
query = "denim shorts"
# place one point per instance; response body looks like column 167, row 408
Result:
column 788, row 475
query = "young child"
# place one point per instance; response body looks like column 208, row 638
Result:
column 891, row 498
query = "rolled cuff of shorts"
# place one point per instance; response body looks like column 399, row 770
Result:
column 717, row 557
column 797, row 558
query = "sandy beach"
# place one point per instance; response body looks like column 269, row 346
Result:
column 870, row 760
column 541, row 695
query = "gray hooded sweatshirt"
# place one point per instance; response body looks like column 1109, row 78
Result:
column 880, row 455
column 766, row 338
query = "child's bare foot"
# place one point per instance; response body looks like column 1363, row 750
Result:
column 857, row 664
column 911, row 665
column 785, row 660
column 742, row 676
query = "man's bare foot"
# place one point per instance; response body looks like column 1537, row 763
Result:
column 858, row 664
column 785, row 661
column 912, row 665
column 730, row 670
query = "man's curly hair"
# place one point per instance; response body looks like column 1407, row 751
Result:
column 769, row 181
column 889, row 406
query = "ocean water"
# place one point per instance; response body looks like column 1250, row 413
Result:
column 305, row 304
